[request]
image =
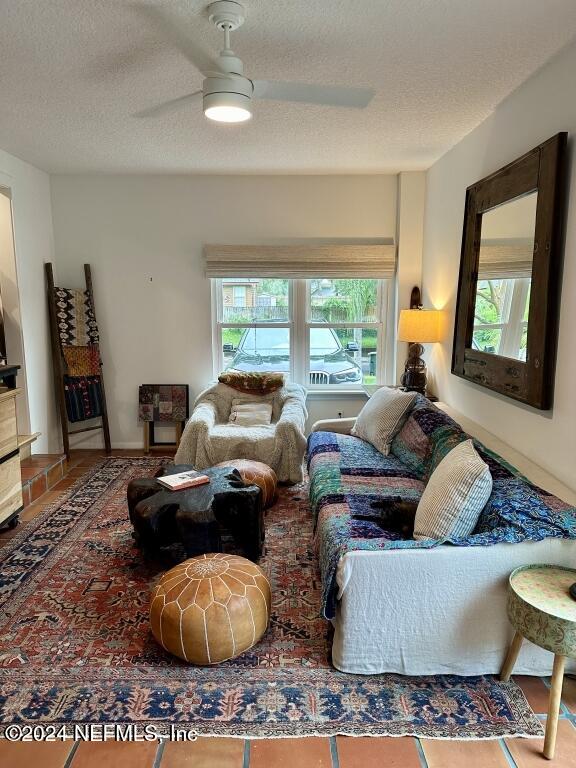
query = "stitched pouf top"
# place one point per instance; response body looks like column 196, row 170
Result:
column 210, row 608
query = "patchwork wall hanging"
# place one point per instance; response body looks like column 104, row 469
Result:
column 76, row 356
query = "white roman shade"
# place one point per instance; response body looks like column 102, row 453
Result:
column 500, row 259
column 331, row 260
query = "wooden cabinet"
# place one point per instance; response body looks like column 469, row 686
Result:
column 8, row 430
column 10, row 474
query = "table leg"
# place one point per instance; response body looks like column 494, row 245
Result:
column 511, row 657
column 554, row 706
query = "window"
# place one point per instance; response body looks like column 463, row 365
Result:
column 501, row 316
column 324, row 333
column 239, row 296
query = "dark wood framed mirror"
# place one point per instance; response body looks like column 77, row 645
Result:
column 507, row 308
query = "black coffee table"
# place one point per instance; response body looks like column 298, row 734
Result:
column 196, row 517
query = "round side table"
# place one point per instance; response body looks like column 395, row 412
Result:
column 541, row 610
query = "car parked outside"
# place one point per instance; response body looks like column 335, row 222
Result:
column 268, row 349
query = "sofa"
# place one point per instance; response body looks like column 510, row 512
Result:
column 424, row 607
column 210, row 439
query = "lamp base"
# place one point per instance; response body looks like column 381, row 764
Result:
column 414, row 376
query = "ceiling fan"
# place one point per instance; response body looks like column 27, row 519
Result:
column 227, row 93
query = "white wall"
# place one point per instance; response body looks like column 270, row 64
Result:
column 541, row 107
column 143, row 236
column 410, row 236
column 33, row 236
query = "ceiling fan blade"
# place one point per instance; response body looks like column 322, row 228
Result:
column 330, row 95
column 178, row 30
column 170, row 106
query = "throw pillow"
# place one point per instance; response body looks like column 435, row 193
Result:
column 256, row 383
column 382, row 417
column 251, row 414
column 454, row 496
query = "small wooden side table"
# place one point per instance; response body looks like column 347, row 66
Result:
column 166, row 404
column 541, row 610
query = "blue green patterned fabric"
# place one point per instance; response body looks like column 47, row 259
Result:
column 427, row 436
column 349, row 476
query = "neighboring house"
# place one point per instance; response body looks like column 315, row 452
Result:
column 324, row 290
column 239, row 292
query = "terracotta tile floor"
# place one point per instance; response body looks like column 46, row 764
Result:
column 339, row 752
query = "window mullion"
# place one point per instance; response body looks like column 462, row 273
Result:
column 256, row 325
column 369, row 326
column 513, row 328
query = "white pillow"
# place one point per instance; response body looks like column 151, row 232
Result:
column 251, row 414
column 383, row 416
column 454, row 496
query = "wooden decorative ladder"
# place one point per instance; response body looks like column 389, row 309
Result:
column 60, row 367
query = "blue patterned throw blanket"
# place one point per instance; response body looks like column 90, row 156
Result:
column 349, row 478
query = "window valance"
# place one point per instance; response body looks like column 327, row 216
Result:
column 331, row 260
column 499, row 260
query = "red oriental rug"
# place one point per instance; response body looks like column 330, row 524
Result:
column 75, row 644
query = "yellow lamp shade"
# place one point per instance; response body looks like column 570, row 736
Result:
column 419, row 325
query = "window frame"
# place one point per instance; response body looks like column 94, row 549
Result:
column 299, row 325
column 512, row 324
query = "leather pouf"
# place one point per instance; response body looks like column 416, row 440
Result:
column 210, row 608
column 256, row 473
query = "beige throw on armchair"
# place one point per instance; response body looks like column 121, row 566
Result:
column 208, row 438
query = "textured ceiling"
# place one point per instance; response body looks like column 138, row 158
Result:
column 74, row 72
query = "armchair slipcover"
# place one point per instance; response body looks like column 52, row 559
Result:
column 208, row 438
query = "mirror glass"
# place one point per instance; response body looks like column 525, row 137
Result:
column 504, row 278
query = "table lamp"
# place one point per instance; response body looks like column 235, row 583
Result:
column 417, row 327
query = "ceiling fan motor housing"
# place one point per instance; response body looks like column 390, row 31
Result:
column 238, row 91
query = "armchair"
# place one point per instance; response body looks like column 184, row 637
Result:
column 209, row 439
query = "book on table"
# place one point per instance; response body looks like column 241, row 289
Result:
column 182, row 480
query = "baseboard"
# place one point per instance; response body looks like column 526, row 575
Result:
column 99, row 446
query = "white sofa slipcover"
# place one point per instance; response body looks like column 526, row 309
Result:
column 441, row 610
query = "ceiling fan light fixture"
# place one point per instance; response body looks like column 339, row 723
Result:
column 227, row 107
column 227, row 93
